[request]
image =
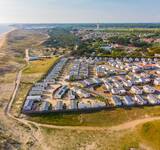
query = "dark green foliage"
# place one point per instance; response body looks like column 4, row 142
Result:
column 61, row 38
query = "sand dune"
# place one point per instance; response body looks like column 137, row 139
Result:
column 2, row 39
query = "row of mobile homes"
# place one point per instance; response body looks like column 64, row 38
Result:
column 118, row 91
column 55, row 72
column 82, row 93
column 74, row 71
column 136, row 90
column 84, row 70
column 157, row 81
column 148, row 89
column 79, row 70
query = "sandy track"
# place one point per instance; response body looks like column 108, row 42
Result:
column 123, row 126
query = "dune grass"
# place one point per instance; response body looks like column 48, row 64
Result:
column 150, row 134
column 95, row 140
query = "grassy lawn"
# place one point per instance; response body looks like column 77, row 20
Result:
column 101, row 118
column 150, row 134
column 40, row 66
column 95, row 140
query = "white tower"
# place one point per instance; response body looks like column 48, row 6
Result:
column 97, row 26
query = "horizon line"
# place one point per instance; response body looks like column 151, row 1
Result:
column 80, row 23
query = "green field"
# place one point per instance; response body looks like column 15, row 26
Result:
column 101, row 118
column 150, row 133
column 101, row 140
column 40, row 66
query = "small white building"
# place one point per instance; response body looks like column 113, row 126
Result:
column 139, row 100
column 82, row 93
column 152, row 99
column 44, row 106
column 115, row 91
column 73, row 104
column 128, row 101
column 127, row 83
column 148, row 89
column 116, row 101
column 157, row 81
column 28, row 105
column 34, row 98
column 59, row 105
column 158, row 71
column 136, row 90
column 82, row 105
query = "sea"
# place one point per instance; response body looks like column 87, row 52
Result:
column 5, row 28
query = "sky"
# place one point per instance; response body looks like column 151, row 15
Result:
column 79, row 11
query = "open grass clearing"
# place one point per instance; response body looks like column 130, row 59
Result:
column 103, row 118
column 150, row 134
column 95, row 140
column 40, row 66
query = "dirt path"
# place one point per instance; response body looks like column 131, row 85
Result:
column 123, row 126
column 133, row 124
column 35, row 128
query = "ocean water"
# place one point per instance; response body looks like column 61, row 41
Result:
column 4, row 28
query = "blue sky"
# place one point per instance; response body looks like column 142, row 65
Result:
column 76, row 11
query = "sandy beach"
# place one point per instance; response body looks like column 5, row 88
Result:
column 2, row 39
column 4, row 36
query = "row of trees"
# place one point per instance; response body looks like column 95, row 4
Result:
column 128, row 40
column 60, row 37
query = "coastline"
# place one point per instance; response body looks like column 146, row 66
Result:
column 3, row 37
